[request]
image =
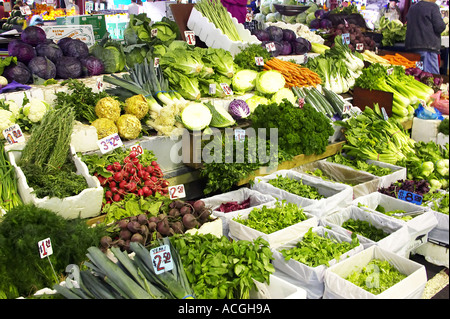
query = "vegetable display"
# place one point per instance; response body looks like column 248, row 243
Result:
column 420, row 187
column 358, row 41
column 296, row 187
column 360, row 165
column 294, row 74
column 393, row 31
column 364, row 228
column 233, row 206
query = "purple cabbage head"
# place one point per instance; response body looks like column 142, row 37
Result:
column 286, row 48
column 319, row 13
column 315, row 24
column 289, row 35
column 33, row 35
column 92, row 66
column 261, row 35
column 23, row 51
column 76, row 48
column 301, row 46
column 68, row 68
column 275, row 33
column 49, row 50
column 17, row 72
column 42, row 67
column 325, row 24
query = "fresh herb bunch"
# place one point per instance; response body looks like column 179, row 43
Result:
column 271, row 219
column 218, row 268
column 246, row 58
column 359, row 165
column 9, row 195
column 300, row 130
column 364, row 228
column 386, row 275
column 382, row 210
column 20, row 231
column 319, row 173
column 420, row 187
column 296, row 187
column 315, row 250
column 81, row 98
column 444, row 126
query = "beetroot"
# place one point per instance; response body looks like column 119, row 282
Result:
column 233, row 206
column 189, row 221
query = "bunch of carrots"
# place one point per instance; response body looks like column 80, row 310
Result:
column 398, row 59
column 294, row 74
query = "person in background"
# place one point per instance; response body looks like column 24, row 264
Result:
column 237, row 8
column 71, row 5
column 3, row 14
column 424, row 25
column 133, row 8
column 391, row 11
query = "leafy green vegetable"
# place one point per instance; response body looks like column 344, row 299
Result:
column 271, row 219
column 111, row 53
column 245, row 59
column 364, row 228
column 385, row 274
column 6, row 61
column 382, row 210
column 296, row 187
column 319, row 173
column 360, row 165
column 315, row 250
column 444, row 126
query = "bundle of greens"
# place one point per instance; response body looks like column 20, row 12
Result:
column 393, row 31
column 296, row 187
column 444, row 126
column 245, row 59
column 218, row 268
column 364, row 228
column 300, row 130
column 441, row 205
column 20, row 231
column 315, row 250
column 393, row 213
column 9, row 195
column 376, row 170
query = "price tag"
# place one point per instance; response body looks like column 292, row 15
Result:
column 359, row 47
column 410, row 197
column 138, row 149
column 386, row 117
column 389, row 71
column 345, row 23
column 226, row 89
column 25, row 10
column 347, row 108
column 177, row 191
column 14, row 134
column 346, row 38
column 212, row 89
column 419, row 64
column 239, row 135
column 259, row 60
column 100, row 85
column 305, row 58
column 270, row 46
column 154, row 33
column 45, row 247
column 109, row 143
column 156, row 62
column 190, row 37
column 162, row 259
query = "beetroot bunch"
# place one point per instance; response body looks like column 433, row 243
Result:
column 131, row 177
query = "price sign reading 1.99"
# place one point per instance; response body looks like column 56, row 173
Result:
column 190, row 37
column 14, row 134
column 409, row 197
column 162, row 259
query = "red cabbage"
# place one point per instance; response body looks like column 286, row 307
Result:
column 76, row 48
column 315, row 24
column 18, row 72
column 275, row 33
column 301, row 46
column 286, row 48
column 49, row 50
column 42, row 67
column 234, row 206
column 289, row 35
column 261, row 35
column 92, row 66
column 68, row 68
column 23, row 51
column 62, row 43
column 239, row 109
column 325, row 24
column 319, row 13
column 33, row 35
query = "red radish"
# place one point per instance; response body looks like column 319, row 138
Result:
column 117, row 166
column 127, row 160
column 154, row 179
column 149, row 183
column 135, row 161
column 112, row 184
column 122, row 184
column 116, row 198
column 114, row 190
column 139, row 166
column 165, row 183
column 150, row 169
column 154, row 163
column 132, row 154
column 131, row 186
column 140, row 192
column 109, row 168
column 108, row 194
column 118, row 176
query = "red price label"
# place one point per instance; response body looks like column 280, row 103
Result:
column 156, row 62
column 359, row 46
column 239, row 135
column 161, row 258
column 270, row 46
column 100, row 85
column 389, row 71
column 138, row 149
column 14, row 134
column 346, row 38
column 45, row 248
column 190, row 37
column 248, row 17
column 154, row 33
column 226, row 89
column 109, row 143
column 177, row 191
column 259, row 60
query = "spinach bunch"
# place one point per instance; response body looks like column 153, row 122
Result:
column 296, row 187
column 315, row 250
column 218, row 268
column 364, row 228
column 271, row 219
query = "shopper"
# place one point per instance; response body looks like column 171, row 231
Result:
column 237, row 8
column 424, row 25
column 133, row 8
column 391, row 11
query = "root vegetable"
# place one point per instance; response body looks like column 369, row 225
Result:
column 105, row 241
column 122, row 223
column 137, row 238
column 142, row 219
column 174, row 212
column 199, row 205
column 134, row 226
column 185, row 210
column 189, row 221
column 163, row 228
column 125, row 234
column 152, row 226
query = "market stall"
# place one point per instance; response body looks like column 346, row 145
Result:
column 191, row 156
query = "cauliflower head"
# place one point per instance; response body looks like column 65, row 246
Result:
column 35, row 110
column 129, row 126
column 13, row 107
column 137, row 105
column 108, row 107
column 7, row 119
column 105, row 127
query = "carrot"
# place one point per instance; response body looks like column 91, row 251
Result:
column 398, row 59
column 294, row 74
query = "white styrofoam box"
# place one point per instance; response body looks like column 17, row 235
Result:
column 336, row 195
column 17, row 96
column 213, row 227
column 214, row 37
column 86, row 204
column 442, row 139
column 433, row 253
column 364, row 183
column 440, row 233
column 397, row 241
column 310, row 278
column 278, row 288
column 257, row 200
column 411, row 287
column 242, row 232
column 84, row 138
column 424, row 130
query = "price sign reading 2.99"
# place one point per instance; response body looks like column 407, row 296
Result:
column 161, row 258
column 409, row 197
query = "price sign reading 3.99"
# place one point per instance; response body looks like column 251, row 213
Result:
column 409, row 197
column 161, row 259
column 109, row 143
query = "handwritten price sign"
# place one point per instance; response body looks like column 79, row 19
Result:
column 226, row 89
column 177, row 191
column 239, row 135
column 162, row 259
column 190, row 37
column 156, row 62
column 259, row 60
column 45, row 247
column 410, row 197
column 346, row 38
column 14, row 134
column 154, row 33
column 109, row 143
column 138, row 149
column 270, row 46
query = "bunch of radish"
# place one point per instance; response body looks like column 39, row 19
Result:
column 178, row 217
column 131, row 177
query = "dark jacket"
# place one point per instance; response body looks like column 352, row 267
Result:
column 424, row 25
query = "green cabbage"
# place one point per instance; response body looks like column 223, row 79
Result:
column 244, row 81
column 269, row 82
column 196, row 116
column 256, row 100
column 284, row 93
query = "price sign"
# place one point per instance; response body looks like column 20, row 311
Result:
column 305, row 58
column 156, row 62
column 346, row 38
column 25, row 10
column 138, row 149
column 359, row 47
column 347, row 108
column 259, row 60
column 177, row 191
column 226, row 89
column 154, row 33
column 386, row 117
column 45, row 247
column 212, row 89
column 410, row 197
column 248, row 17
column 109, row 143
column 419, row 64
column 162, row 259
column 239, row 135
column 270, row 46
column 14, row 134
column 389, row 71
column 190, row 37
column 100, row 85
